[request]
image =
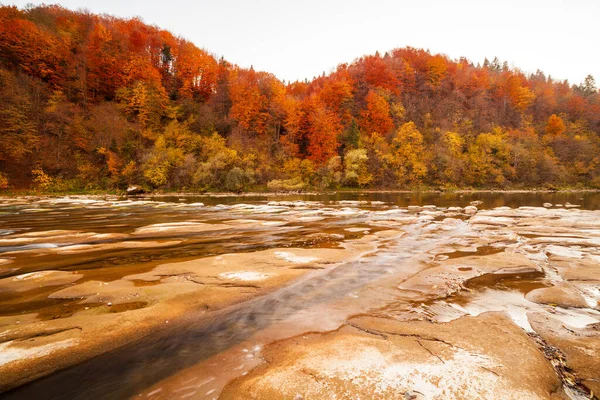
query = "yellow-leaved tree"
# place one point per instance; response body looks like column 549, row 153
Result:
column 454, row 166
column 356, row 172
column 490, row 159
column 409, row 154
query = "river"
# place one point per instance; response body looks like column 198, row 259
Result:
column 186, row 296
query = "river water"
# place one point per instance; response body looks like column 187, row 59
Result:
column 106, row 239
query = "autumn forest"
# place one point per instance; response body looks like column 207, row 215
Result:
column 94, row 102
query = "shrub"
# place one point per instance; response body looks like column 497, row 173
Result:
column 286, row 185
column 41, row 180
column 3, row 181
column 237, row 179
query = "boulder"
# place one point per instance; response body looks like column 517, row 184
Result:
column 135, row 190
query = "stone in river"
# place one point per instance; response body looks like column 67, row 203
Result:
column 470, row 210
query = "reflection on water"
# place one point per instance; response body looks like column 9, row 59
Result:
column 587, row 200
column 523, row 282
column 480, row 251
column 107, row 239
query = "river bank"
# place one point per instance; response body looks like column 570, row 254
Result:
column 266, row 192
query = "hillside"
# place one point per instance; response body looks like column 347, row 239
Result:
column 98, row 102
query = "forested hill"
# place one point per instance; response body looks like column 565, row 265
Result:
column 97, row 102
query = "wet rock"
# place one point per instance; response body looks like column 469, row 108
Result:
column 34, row 280
column 487, row 220
column 20, row 352
column 564, row 242
column 208, row 283
column 563, row 295
column 547, row 205
column 390, row 234
column 476, row 203
column 131, row 244
column 46, row 239
column 562, row 252
column 482, row 357
column 470, row 210
column 395, row 221
column 580, row 347
column 580, row 269
column 450, row 275
column 356, row 229
column 452, row 223
column 181, row 227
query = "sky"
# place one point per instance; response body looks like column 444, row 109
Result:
column 303, row 39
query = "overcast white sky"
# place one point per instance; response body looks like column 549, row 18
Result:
column 297, row 40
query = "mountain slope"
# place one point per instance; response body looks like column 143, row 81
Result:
column 90, row 101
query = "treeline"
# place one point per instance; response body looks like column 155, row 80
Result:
column 97, row 102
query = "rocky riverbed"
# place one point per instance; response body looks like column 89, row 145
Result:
column 300, row 299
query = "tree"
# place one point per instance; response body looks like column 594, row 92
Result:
column 588, row 87
column 105, row 72
column 324, row 128
column 249, row 105
column 292, row 125
column 27, row 47
column 489, row 160
column 356, row 172
column 95, row 101
column 436, row 70
column 350, row 137
column 449, row 159
column 146, row 102
column 18, row 133
column 196, row 71
column 409, row 154
column 161, row 163
column 520, row 96
column 555, row 125
column 375, row 117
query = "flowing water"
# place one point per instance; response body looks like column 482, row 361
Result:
column 107, row 239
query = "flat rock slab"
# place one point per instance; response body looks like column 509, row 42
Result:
column 484, row 357
column 34, row 280
column 580, row 346
column 564, row 295
column 448, row 276
column 167, row 293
